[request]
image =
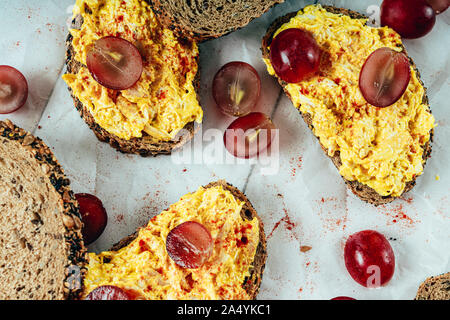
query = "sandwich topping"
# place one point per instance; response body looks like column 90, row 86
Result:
column 145, row 270
column 379, row 147
column 164, row 99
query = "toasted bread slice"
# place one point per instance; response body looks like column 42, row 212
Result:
column 364, row 192
column 142, row 146
column 203, row 20
column 435, row 288
column 252, row 283
column 42, row 253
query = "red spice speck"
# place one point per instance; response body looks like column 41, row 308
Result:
column 39, row 127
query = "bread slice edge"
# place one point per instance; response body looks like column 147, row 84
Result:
column 185, row 31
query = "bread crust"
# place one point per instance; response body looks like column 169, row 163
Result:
column 71, row 218
column 142, row 146
column 435, row 288
column 253, row 282
column 362, row 191
column 186, row 31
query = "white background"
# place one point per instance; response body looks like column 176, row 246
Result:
column 133, row 189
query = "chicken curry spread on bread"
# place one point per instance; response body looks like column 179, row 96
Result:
column 379, row 147
column 145, row 270
column 164, row 99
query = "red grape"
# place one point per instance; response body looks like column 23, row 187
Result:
column 248, row 136
column 236, row 88
column 384, row 77
column 108, row 293
column 115, row 63
column 13, row 89
column 369, row 258
column 294, row 55
column 189, row 245
column 410, row 18
column 343, row 298
column 93, row 215
column 439, row 6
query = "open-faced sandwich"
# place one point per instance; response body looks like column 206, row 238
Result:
column 379, row 147
column 208, row 245
column 132, row 67
column 42, row 253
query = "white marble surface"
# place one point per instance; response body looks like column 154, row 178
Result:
column 133, row 189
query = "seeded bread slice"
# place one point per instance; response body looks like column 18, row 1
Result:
column 144, row 146
column 42, row 253
column 253, row 282
column 364, row 192
column 435, row 288
column 205, row 19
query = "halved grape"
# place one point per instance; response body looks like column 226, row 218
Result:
column 13, row 89
column 108, row 293
column 115, row 63
column 93, row 215
column 439, row 6
column 369, row 258
column 248, row 136
column 236, row 88
column 295, row 55
column 189, row 245
column 384, row 77
column 410, row 18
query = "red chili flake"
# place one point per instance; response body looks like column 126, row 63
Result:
column 304, row 91
column 120, row 18
column 241, row 242
column 184, row 170
column 39, row 127
column 305, row 248
column 337, row 81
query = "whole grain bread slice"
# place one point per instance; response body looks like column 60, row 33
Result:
column 42, row 253
column 144, row 146
column 364, row 192
column 435, row 288
column 205, row 19
column 252, row 283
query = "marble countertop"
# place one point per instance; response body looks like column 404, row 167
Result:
column 306, row 204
